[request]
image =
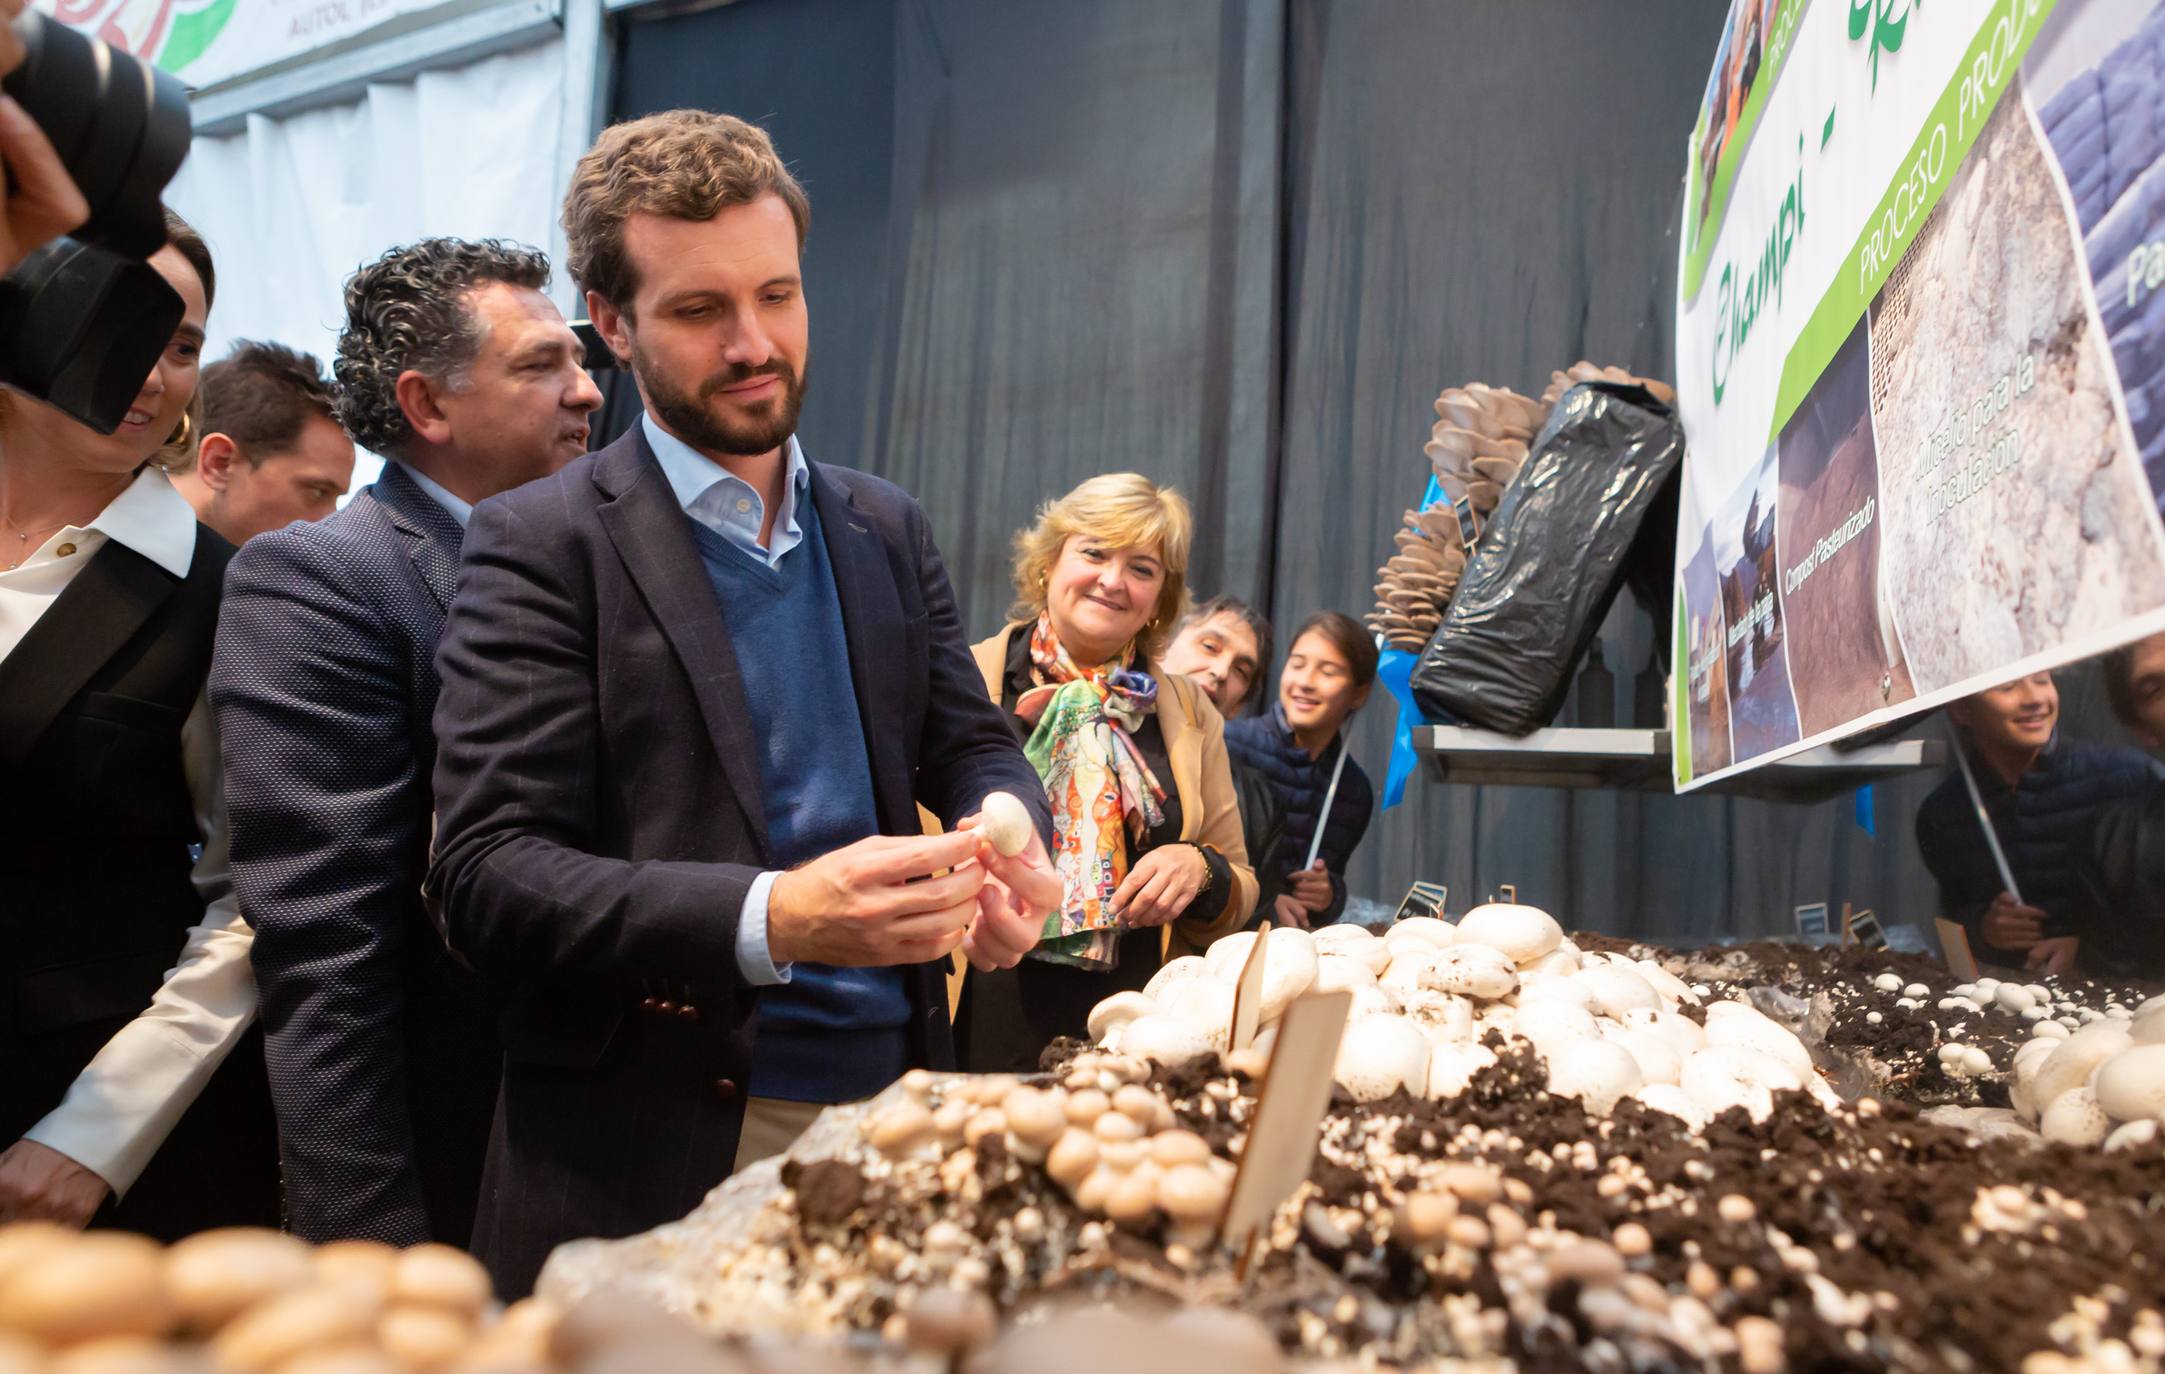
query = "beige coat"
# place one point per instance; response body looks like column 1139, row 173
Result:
column 1202, row 779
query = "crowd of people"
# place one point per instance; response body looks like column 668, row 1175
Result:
column 511, row 851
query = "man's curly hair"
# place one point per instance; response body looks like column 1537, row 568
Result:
column 408, row 311
column 681, row 164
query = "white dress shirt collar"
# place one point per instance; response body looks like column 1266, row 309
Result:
column 461, row 511
column 726, row 503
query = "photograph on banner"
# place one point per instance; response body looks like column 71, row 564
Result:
column 1994, row 402
column 2096, row 78
column 1920, row 333
column 1703, row 648
column 1762, row 708
column 1843, row 665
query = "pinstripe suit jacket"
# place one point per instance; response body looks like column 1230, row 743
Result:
column 381, row 1048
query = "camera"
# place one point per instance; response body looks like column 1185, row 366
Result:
column 84, row 318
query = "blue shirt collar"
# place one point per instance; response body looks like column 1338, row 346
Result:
column 461, row 511
column 726, row 503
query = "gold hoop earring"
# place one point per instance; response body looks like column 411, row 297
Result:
column 184, row 433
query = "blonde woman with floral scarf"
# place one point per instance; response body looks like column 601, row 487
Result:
column 1150, row 852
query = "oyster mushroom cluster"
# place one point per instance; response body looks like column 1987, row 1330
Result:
column 1428, row 994
column 1415, row 584
column 1564, row 379
column 1479, row 441
column 252, row 1302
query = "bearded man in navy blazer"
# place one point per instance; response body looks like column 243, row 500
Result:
column 695, row 687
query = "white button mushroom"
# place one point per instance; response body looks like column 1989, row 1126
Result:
column 1118, row 1010
column 1373, row 1000
column 2129, row 1135
column 1207, row 1004
column 1917, row 990
column 1521, row 933
column 1354, row 942
column 1380, row 1056
column 2074, row 1059
column 2148, row 1027
column 1229, row 954
column 1472, row 970
column 1178, row 971
column 1658, row 1060
column 1595, row 1072
column 2075, row 1118
column 1557, row 961
column 1289, row 969
column 2049, row 1030
column 1451, row 1067
column 1419, row 932
column 1536, row 986
column 1670, row 988
column 1443, row 1018
column 1407, row 967
column 1342, row 973
column 1683, row 1034
column 2130, row 1086
column 1170, row 1040
column 1723, row 1076
column 1006, row 822
column 1887, row 982
column 1743, row 1026
column 1554, row 1023
column 2014, row 997
column 1668, row 1097
column 1616, row 989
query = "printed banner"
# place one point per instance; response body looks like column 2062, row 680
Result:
column 1918, row 361
column 204, row 42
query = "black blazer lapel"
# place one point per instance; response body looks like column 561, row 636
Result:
column 873, row 628
column 432, row 534
column 653, row 536
column 84, row 627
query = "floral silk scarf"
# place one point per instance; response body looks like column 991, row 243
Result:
column 1082, row 746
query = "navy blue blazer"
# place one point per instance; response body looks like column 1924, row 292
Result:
column 600, row 821
column 381, row 1048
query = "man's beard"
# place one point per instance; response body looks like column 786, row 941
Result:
column 688, row 417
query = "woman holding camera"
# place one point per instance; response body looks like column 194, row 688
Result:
column 1149, row 840
column 126, row 983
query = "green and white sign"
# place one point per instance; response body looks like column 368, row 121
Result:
column 204, row 42
column 1919, row 361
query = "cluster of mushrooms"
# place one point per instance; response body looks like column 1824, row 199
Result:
column 1109, row 1142
column 1480, row 441
column 2101, row 1085
column 252, row 1302
column 1427, row 994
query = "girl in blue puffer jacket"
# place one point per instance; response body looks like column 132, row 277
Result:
column 1300, row 747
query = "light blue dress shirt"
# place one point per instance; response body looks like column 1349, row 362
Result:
column 461, row 511
column 729, row 506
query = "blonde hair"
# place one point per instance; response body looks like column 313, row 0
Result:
column 1125, row 510
column 681, row 164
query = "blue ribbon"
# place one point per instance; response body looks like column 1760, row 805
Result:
column 1394, row 669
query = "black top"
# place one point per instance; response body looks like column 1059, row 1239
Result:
column 2118, row 903
column 1007, row 1018
column 95, row 802
column 2037, row 822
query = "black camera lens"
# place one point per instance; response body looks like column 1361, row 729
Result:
column 120, row 125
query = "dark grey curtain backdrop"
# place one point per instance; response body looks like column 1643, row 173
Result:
column 1240, row 245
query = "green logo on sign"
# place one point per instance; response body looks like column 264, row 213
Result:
column 1881, row 19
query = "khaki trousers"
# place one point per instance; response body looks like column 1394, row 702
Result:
column 771, row 1126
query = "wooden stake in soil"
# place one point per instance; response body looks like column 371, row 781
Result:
column 1289, row 1110
column 1248, row 994
column 1954, row 948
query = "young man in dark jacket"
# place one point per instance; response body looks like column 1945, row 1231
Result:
column 2118, row 904
column 2040, row 792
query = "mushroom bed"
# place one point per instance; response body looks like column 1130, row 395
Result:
column 1540, row 1152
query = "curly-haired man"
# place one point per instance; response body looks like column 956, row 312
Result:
column 456, row 368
